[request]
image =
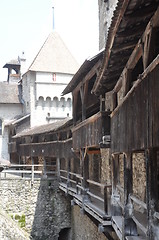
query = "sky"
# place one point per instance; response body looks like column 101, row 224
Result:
column 25, row 25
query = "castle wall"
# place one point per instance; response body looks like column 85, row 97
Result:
column 106, row 9
column 40, row 209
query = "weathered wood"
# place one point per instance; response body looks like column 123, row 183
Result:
column 89, row 133
column 129, row 225
column 140, row 106
column 138, row 201
column 101, row 185
column 83, row 103
column 93, row 151
column 56, row 149
column 12, row 147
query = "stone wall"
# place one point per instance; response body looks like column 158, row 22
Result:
column 139, row 176
column 106, row 9
column 85, row 229
column 95, row 167
column 105, row 166
column 40, row 209
column 9, row 230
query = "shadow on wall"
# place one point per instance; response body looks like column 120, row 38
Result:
column 52, row 218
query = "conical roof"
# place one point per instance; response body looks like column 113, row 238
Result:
column 54, row 56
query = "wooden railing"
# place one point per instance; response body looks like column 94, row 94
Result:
column 95, row 192
column 135, row 214
column 29, row 171
column 102, row 191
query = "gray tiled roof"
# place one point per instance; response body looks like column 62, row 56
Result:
column 9, row 93
column 54, row 56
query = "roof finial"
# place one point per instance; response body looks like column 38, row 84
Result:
column 53, row 19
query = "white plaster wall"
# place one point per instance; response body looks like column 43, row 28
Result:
column 46, row 90
column 47, row 87
column 60, row 78
column 7, row 113
column 39, row 92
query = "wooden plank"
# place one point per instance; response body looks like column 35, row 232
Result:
column 117, row 225
column 135, row 238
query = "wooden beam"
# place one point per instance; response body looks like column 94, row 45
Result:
column 124, row 47
column 110, row 43
column 93, row 151
column 140, row 14
column 75, row 98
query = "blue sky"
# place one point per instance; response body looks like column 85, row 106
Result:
column 25, row 24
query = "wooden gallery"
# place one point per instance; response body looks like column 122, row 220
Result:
column 106, row 157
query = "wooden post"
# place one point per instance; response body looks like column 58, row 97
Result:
column 75, row 98
column 151, row 191
column 127, row 81
column 115, row 198
column 105, row 200
column 44, row 167
column 58, row 167
column 102, row 102
column 68, row 173
column 114, row 100
column 85, row 175
column 129, row 226
column 32, row 170
column 85, row 170
column 83, row 103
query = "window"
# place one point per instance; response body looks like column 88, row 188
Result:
column 0, row 126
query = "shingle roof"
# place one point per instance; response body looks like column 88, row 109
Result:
column 9, row 93
column 54, row 56
column 16, row 120
column 82, row 71
column 51, row 127
column 13, row 62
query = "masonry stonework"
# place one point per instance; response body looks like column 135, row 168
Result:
column 39, row 208
column 85, row 229
column 106, row 9
column 139, row 176
column 105, row 165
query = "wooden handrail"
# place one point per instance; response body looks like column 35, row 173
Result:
column 138, row 201
column 27, row 165
column 98, row 184
column 121, row 189
column 64, row 171
column 79, row 176
column 95, row 196
column 63, row 177
column 156, row 215
column 73, row 174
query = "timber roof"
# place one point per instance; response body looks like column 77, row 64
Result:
column 46, row 128
column 9, row 93
column 13, row 62
column 54, row 56
column 82, row 72
column 17, row 120
column 128, row 24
